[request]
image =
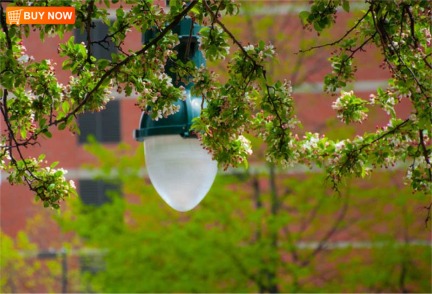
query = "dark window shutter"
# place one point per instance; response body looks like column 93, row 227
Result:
column 98, row 33
column 95, row 192
column 105, row 125
column 88, row 126
column 110, row 122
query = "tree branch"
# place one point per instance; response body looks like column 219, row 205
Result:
column 386, row 42
column 243, row 269
column 88, row 24
column 13, row 142
column 125, row 61
column 5, row 27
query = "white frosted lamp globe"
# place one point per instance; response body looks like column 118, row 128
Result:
column 180, row 169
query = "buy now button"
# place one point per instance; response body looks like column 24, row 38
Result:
column 40, row 15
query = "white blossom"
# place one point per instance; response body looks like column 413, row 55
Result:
column 72, row 184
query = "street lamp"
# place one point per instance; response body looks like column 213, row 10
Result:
column 180, row 169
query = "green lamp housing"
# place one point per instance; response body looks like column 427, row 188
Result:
column 180, row 122
column 176, row 124
column 180, row 169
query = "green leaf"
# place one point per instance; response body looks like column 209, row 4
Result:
column 23, row 133
column 102, row 63
column 195, row 10
column 65, row 106
column 304, row 15
column 346, row 5
column 42, row 123
column 119, row 13
column 128, row 90
column 317, row 26
column 47, row 133
column 66, row 64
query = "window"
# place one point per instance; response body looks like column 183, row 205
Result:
column 103, row 125
column 95, row 192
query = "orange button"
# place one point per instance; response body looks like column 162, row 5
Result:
column 40, row 15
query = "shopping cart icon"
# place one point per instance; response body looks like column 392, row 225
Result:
column 14, row 16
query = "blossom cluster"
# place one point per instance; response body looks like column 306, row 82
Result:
column 48, row 183
column 350, row 108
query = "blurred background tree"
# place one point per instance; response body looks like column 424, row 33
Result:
column 25, row 268
column 254, row 232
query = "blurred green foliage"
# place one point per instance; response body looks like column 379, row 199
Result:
column 254, row 232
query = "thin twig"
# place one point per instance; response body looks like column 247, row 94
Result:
column 340, row 39
column 425, row 153
column 412, row 24
column 428, row 214
column 88, row 24
column 351, row 156
column 335, row 227
column 13, row 139
column 228, row 32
